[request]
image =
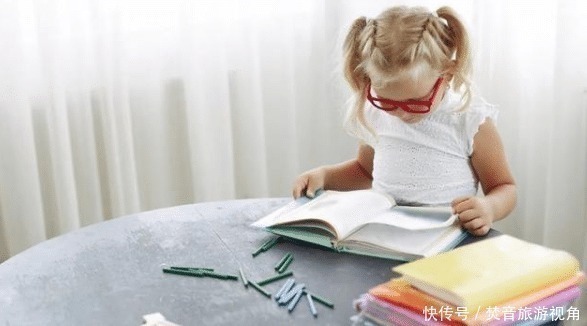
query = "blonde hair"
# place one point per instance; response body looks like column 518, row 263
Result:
column 404, row 39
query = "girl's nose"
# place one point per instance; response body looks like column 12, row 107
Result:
column 400, row 114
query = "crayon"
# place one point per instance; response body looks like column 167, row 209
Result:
column 312, row 306
column 282, row 260
column 243, row 278
column 275, row 278
column 183, row 272
column 295, row 300
column 260, row 289
column 284, row 266
column 286, row 297
column 285, row 288
column 321, row 300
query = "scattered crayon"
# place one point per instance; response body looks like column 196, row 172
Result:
column 321, row 300
column 192, row 268
column 286, row 297
column 275, row 278
column 266, row 246
column 282, row 260
column 295, row 300
column 243, row 278
column 269, row 244
column 221, row 276
column 284, row 266
column 312, row 306
column 183, row 272
column 260, row 289
column 285, row 288
column 258, row 251
column 199, row 273
column 289, row 293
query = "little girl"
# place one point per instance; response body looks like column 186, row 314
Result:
column 421, row 141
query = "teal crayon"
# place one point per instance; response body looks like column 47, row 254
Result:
column 266, row 246
column 199, row 273
column 275, row 278
column 258, row 251
column 221, row 276
column 260, row 289
column 192, row 268
column 184, row 272
column 321, row 300
column 284, row 266
column 282, row 260
column 269, row 244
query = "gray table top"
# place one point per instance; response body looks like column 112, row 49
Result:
column 110, row 273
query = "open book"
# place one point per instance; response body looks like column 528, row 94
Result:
column 366, row 222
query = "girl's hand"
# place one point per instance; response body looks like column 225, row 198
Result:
column 310, row 181
column 474, row 213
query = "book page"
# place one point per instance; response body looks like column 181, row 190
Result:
column 394, row 238
column 274, row 217
column 416, row 218
column 343, row 211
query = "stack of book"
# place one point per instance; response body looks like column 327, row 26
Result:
column 497, row 281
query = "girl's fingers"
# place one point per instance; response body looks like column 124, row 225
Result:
column 458, row 200
column 299, row 187
column 462, row 204
column 483, row 230
column 467, row 216
column 474, row 224
column 313, row 185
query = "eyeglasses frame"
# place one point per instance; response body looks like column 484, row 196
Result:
column 405, row 105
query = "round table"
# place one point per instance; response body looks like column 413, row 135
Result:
column 110, row 273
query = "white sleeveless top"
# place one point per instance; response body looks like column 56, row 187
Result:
column 427, row 162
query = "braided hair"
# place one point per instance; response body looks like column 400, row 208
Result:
column 404, row 40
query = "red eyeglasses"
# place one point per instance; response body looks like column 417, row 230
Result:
column 411, row 106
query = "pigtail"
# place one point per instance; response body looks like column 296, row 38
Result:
column 462, row 66
column 352, row 48
column 358, row 44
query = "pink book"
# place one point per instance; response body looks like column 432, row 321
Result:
column 560, row 299
column 399, row 293
column 386, row 313
column 389, row 314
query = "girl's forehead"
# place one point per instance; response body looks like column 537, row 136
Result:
column 405, row 86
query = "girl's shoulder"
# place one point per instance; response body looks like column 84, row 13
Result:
column 474, row 113
column 453, row 104
column 472, row 117
column 480, row 107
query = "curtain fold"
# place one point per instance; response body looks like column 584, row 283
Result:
column 113, row 107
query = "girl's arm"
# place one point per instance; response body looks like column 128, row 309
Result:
column 477, row 214
column 349, row 175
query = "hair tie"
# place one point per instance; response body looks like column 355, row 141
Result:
column 434, row 14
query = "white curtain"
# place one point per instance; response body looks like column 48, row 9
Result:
column 114, row 107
